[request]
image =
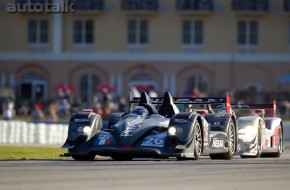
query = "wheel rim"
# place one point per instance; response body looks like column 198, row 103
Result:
column 232, row 138
column 198, row 139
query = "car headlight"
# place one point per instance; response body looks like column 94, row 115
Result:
column 85, row 130
column 172, row 131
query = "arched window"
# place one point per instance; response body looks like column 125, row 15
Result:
column 87, row 84
column 197, row 82
column 32, row 87
column 143, row 79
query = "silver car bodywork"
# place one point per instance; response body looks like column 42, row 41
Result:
column 260, row 136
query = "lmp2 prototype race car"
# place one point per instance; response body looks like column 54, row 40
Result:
column 259, row 135
column 148, row 132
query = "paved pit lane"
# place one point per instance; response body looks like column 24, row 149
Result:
column 236, row 174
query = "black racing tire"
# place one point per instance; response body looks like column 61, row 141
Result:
column 280, row 148
column 197, row 140
column 89, row 157
column 122, row 158
column 259, row 146
column 231, row 145
column 280, row 145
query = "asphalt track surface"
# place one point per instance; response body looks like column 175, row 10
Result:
column 261, row 173
column 149, row 174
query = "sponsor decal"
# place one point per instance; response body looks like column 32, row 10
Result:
column 217, row 143
column 216, row 123
column 130, row 128
column 102, row 140
column 81, row 120
column 180, row 121
column 245, row 121
column 219, row 115
column 154, row 140
column 164, row 123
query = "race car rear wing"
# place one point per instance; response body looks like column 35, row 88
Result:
column 190, row 101
column 258, row 107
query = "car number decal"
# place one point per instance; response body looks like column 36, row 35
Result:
column 154, row 140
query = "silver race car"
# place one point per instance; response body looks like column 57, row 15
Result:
column 260, row 132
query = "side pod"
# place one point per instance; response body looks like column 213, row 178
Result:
column 82, row 127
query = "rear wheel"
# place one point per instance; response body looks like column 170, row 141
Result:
column 231, row 144
column 88, row 157
column 280, row 145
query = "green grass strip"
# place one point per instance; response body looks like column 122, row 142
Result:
column 30, row 152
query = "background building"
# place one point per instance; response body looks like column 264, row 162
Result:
column 214, row 46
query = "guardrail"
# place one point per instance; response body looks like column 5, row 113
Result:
column 25, row 133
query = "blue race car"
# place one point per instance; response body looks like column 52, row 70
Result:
column 156, row 128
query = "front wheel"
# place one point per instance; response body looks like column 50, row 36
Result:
column 231, row 144
column 197, row 141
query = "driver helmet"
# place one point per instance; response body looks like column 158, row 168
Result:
column 139, row 110
column 222, row 109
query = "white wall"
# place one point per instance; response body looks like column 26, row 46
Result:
column 25, row 133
